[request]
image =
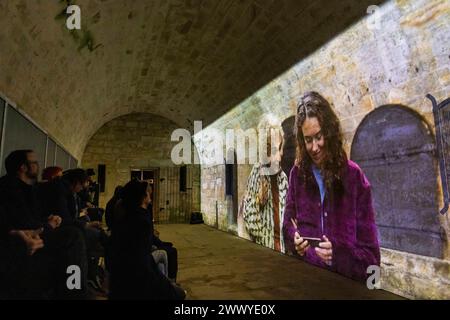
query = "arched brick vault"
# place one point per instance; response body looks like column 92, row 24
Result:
column 183, row 60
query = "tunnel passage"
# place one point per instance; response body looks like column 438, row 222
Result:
column 396, row 151
column 139, row 145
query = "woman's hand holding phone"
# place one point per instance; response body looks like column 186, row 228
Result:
column 301, row 245
column 325, row 251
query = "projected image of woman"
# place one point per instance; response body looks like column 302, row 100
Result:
column 329, row 197
column 264, row 202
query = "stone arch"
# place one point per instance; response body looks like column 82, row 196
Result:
column 396, row 150
column 142, row 141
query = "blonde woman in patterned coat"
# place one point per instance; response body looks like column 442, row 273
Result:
column 264, row 202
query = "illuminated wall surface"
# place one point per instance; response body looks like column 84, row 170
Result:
column 377, row 75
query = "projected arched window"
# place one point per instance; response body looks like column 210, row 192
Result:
column 396, row 150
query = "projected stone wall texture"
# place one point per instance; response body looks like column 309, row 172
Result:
column 359, row 71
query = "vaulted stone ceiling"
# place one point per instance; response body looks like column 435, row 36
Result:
column 182, row 59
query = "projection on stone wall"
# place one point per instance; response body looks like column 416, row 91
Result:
column 262, row 207
column 323, row 213
column 394, row 147
column 384, row 201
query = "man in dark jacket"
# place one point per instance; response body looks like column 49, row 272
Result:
column 36, row 250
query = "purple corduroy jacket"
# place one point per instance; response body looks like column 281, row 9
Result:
column 348, row 222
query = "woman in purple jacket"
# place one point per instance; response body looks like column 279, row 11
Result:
column 329, row 197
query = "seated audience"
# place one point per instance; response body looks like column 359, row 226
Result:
column 60, row 195
column 36, row 249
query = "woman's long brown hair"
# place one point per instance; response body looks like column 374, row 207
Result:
column 313, row 105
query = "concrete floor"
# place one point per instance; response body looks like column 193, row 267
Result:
column 217, row 265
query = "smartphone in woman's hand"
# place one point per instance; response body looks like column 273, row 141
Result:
column 313, row 242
